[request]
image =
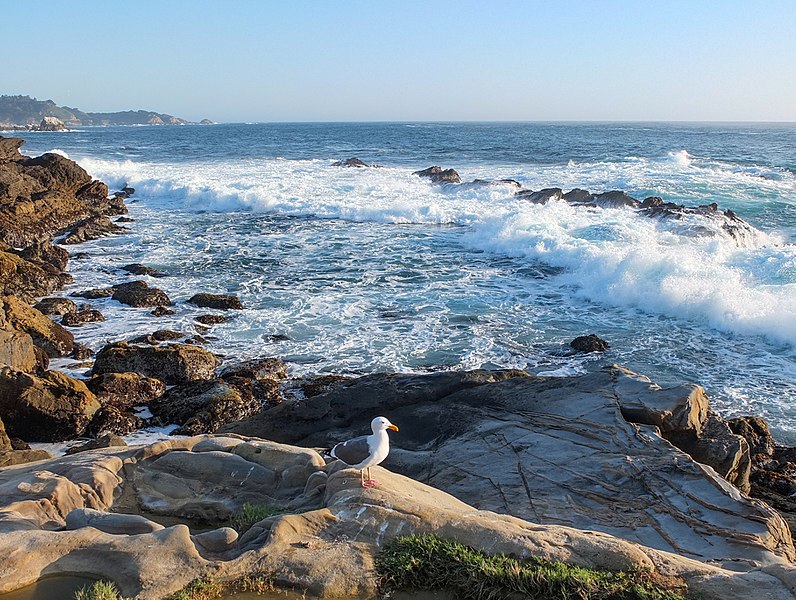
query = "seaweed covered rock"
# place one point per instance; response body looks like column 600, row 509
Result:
column 50, row 408
column 125, row 390
column 138, row 294
column 217, row 301
column 172, row 364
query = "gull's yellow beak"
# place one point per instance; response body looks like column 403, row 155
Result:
column 393, row 427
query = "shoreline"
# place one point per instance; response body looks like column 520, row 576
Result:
column 250, row 398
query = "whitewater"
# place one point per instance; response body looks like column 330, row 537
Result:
column 353, row 271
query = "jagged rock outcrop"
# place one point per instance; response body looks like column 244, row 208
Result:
column 350, row 162
column 139, row 269
column 172, row 364
column 47, row 335
column 81, row 317
column 551, row 450
column 50, row 408
column 92, row 228
column 26, row 279
column 56, row 306
column 439, row 175
column 125, row 390
column 324, row 542
column 42, row 196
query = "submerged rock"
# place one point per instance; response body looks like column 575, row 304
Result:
column 439, row 175
column 589, row 343
column 350, row 162
column 217, row 301
column 139, row 269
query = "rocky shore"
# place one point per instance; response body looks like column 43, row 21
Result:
column 605, row 470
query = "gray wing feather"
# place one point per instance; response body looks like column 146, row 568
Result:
column 353, row 451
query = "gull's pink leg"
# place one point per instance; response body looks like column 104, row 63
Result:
column 370, row 483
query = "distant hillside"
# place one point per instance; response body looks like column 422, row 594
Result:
column 24, row 111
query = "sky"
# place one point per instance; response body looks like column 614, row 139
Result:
column 391, row 60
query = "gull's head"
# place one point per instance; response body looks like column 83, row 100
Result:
column 381, row 424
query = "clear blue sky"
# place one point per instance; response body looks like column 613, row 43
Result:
column 298, row 60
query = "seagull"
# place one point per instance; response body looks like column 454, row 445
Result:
column 366, row 451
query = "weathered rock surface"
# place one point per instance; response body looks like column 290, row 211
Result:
column 44, row 195
column 56, row 306
column 45, row 253
column 138, row 293
column 552, row 450
column 204, row 406
column 217, row 301
column 47, row 335
column 17, row 351
column 112, row 420
column 258, row 368
column 50, row 408
column 106, row 440
column 27, row 280
column 54, row 518
column 125, row 390
column 212, row 319
column 81, row 317
column 172, row 364
column 92, row 228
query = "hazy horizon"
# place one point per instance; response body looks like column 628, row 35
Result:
column 510, row 61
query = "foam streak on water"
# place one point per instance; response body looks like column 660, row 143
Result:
column 364, row 270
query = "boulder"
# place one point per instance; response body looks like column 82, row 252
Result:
column 51, row 124
column 51, row 408
column 161, row 311
column 161, row 335
column 589, row 343
column 81, row 352
column 756, row 433
column 49, row 336
column 81, row 317
column 172, row 364
column 55, row 306
column 258, row 368
column 111, row 420
column 138, row 293
column 217, row 301
column 578, row 196
column 125, row 390
column 94, row 294
column 615, row 199
column 212, row 319
column 204, row 406
column 439, row 175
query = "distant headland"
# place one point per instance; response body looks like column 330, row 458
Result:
column 26, row 113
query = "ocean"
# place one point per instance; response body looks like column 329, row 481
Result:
column 355, row 271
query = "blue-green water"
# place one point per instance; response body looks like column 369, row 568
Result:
column 376, row 269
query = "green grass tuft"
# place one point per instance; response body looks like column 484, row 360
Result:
column 430, row 563
column 210, row 589
column 251, row 514
column 99, row 590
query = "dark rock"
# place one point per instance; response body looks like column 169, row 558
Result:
column 161, row 311
column 81, row 352
column 322, row 384
column 43, row 251
column 172, row 364
column 19, row 457
column 203, row 407
column 651, row 202
column 80, row 255
column 92, row 228
column 216, row 301
column 18, row 444
column 138, row 293
column 756, row 433
column 47, row 335
column 110, row 419
column 125, row 390
column 615, row 199
column 481, row 183
column 56, row 306
column 258, row 369
column 439, row 175
column 579, row 196
column 212, row 319
column 542, row 196
column 82, row 317
column 124, row 220
column 589, row 343
column 5, row 441
column 350, row 162
column 162, row 335
column 276, row 337
column 94, row 294
column 138, row 269
column 42, row 360
column 51, row 408
column 196, row 340
column 106, row 440
column 128, row 190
